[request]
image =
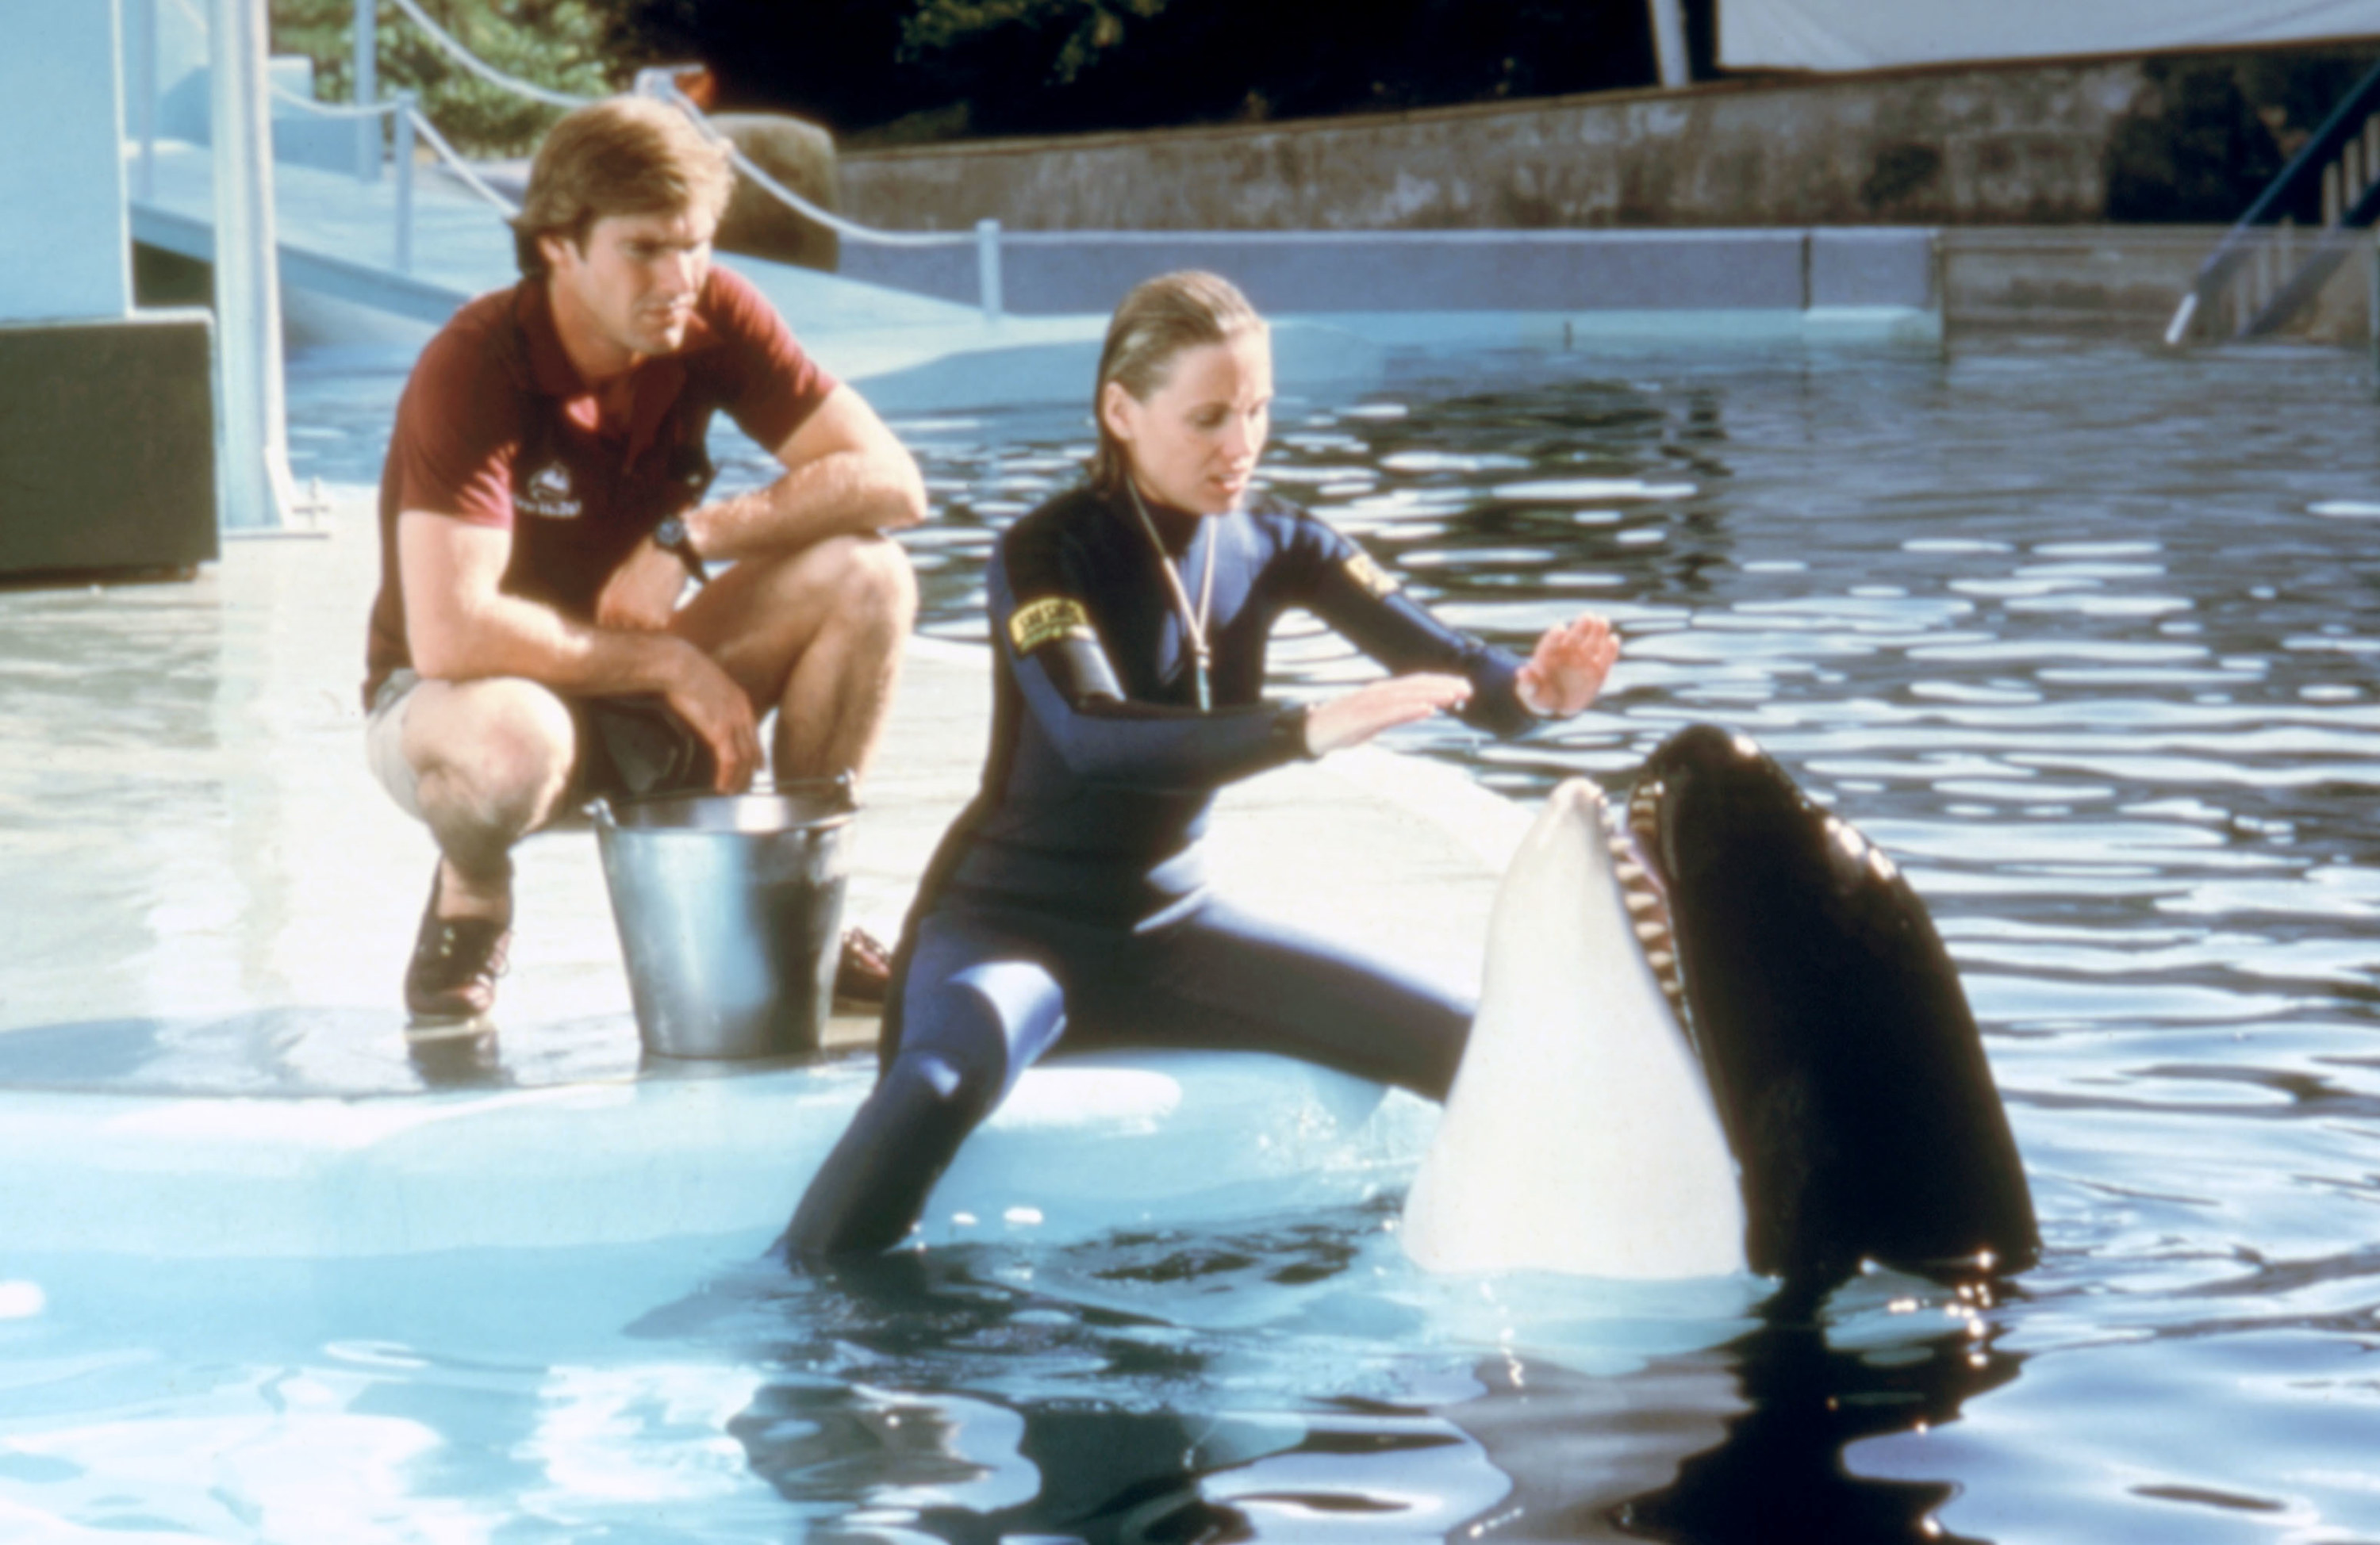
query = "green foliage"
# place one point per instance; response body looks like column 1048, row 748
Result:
column 575, row 46
column 2214, row 130
column 1083, row 29
column 897, row 70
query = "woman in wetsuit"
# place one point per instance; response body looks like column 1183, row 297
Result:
column 1131, row 615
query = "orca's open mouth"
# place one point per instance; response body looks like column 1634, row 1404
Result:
column 1634, row 866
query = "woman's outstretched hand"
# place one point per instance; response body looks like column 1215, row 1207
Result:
column 1568, row 668
column 1364, row 713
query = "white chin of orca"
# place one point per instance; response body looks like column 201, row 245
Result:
column 1580, row 1135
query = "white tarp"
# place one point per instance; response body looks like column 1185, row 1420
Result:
column 1879, row 34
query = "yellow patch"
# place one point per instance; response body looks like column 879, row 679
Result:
column 1047, row 620
column 1374, row 579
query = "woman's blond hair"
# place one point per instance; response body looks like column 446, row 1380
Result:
column 624, row 155
column 1158, row 321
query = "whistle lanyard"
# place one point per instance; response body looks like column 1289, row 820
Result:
column 1194, row 623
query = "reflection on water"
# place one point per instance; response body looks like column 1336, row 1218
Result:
column 2083, row 635
column 1298, row 1382
column 2087, row 638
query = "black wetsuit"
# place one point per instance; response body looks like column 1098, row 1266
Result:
column 1070, row 895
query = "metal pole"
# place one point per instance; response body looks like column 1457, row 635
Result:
column 987, row 267
column 367, row 42
column 405, row 182
column 1669, row 44
column 254, row 447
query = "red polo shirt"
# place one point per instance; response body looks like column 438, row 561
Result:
column 497, row 429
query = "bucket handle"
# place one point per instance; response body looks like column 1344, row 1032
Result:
column 598, row 809
column 845, row 787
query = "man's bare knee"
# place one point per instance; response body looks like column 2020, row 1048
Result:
column 878, row 591
column 492, row 757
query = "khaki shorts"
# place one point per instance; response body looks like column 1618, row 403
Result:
column 385, row 741
column 630, row 746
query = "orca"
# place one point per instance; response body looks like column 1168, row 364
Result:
column 1797, row 976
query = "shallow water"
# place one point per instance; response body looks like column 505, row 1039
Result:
column 2083, row 635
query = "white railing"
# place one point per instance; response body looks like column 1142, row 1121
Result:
column 407, row 121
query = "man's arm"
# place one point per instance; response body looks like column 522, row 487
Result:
column 845, row 473
column 461, row 626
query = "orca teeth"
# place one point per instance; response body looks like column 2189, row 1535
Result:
column 1641, row 893
column 1644, row 805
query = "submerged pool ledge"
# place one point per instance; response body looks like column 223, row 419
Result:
column 627, row 1161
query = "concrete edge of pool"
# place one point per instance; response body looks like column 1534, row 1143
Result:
column 281, row 1115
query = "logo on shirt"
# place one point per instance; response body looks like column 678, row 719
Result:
column 1047, row 620
column 1369, row 577
column 548, row 495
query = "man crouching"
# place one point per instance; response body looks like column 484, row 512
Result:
column 541, row 512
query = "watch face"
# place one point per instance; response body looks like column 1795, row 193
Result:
column 670, row 533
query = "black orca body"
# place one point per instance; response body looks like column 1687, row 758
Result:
column 1841, row 1055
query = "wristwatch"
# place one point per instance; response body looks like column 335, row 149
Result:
column 671, row 536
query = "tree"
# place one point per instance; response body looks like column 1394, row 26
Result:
column 868, row 67
column 577, row 46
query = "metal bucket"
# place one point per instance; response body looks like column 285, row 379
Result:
column 730, row 910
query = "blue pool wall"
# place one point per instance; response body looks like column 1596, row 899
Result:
column 1058, row 273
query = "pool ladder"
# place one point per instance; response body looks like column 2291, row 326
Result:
column 2264, row 271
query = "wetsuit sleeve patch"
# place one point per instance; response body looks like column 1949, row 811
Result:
column 1047, row 620
column 1369, row 577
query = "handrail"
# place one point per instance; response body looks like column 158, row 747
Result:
column 2346, row 121
column 408, row 120
column 337, row 109
column 662, row 83
column 411, row 121
column 481, row 67
column 403, row 104
column 462, row 168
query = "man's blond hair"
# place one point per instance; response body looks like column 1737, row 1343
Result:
column 624, row 155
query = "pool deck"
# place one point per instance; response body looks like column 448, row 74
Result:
column 213, row 904
column 192, row 845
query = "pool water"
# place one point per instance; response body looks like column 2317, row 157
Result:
column 2084, row 636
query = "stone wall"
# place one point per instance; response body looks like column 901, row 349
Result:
column 1971, row 146
column 2126, row 281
